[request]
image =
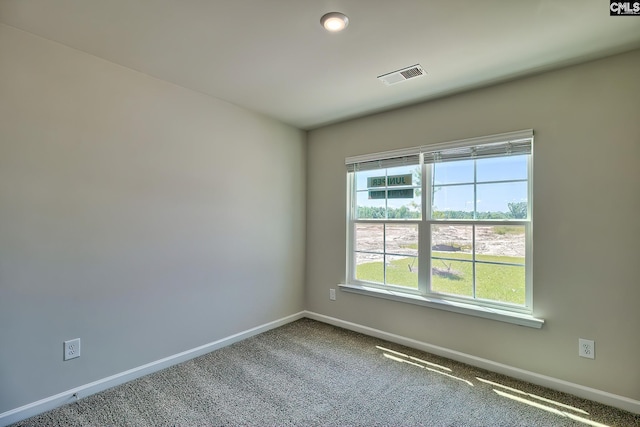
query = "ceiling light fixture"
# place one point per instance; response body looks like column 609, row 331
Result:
column 334, row 21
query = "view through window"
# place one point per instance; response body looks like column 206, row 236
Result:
column 450, row 221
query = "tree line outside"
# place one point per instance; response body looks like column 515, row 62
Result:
column 517, row 210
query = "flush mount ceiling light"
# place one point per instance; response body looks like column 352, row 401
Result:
column 334, row 21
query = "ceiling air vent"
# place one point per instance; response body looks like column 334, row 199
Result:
column 402, row 75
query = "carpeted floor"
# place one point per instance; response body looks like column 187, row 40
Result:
column 309, row 373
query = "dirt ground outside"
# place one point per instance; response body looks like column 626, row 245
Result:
column 402, row 239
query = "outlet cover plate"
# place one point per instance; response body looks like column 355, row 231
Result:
column 71, row 349
column 586, row 348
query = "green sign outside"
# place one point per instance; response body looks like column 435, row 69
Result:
column 389, row 181
column 406, row 193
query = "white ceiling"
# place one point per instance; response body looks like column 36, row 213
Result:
column 272, row 56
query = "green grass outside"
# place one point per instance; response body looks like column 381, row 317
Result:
column 410, row 246
column 508, row 229
column 398, row 272
column 493, row 282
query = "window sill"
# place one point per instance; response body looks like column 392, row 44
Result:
column 456, row 307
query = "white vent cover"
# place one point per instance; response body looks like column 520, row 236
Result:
column 402, row 75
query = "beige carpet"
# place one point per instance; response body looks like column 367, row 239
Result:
column 311, row 374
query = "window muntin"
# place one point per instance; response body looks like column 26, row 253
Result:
column 476, row 229
column 511, row 167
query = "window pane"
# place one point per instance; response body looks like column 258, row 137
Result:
column 369, row 238
column 362, row 178
column 402, row 239
column 369, row 208
column 402, row 271
column 452, row 241
column 503, row 283
column 501, row 168
column 404, row 199
column 413, row 170
column 502, row 201
column 455, row 202
column 452, row 277
column 370, row 268
column 393, row 193
column 500, row 243
column 404, row 204
column 457, row 172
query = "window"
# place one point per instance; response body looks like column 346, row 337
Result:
column 449, row 222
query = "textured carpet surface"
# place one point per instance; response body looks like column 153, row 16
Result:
column 309, row 373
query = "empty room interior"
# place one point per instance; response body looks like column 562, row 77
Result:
column 176, row 177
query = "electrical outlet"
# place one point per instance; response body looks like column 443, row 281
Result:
column 71, row 349
column 332, row 294
column 586, row 348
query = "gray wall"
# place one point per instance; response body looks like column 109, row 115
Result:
column 142, row 217
column 586, row 225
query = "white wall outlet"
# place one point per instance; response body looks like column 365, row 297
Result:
column 586, row 348
column 332, row 294
column 71, row 349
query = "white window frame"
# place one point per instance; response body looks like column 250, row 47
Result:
column 519, row 314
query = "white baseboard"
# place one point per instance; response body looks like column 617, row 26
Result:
column 69, row 396
column 595, row 395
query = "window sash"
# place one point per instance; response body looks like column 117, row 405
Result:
column 425, row 261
